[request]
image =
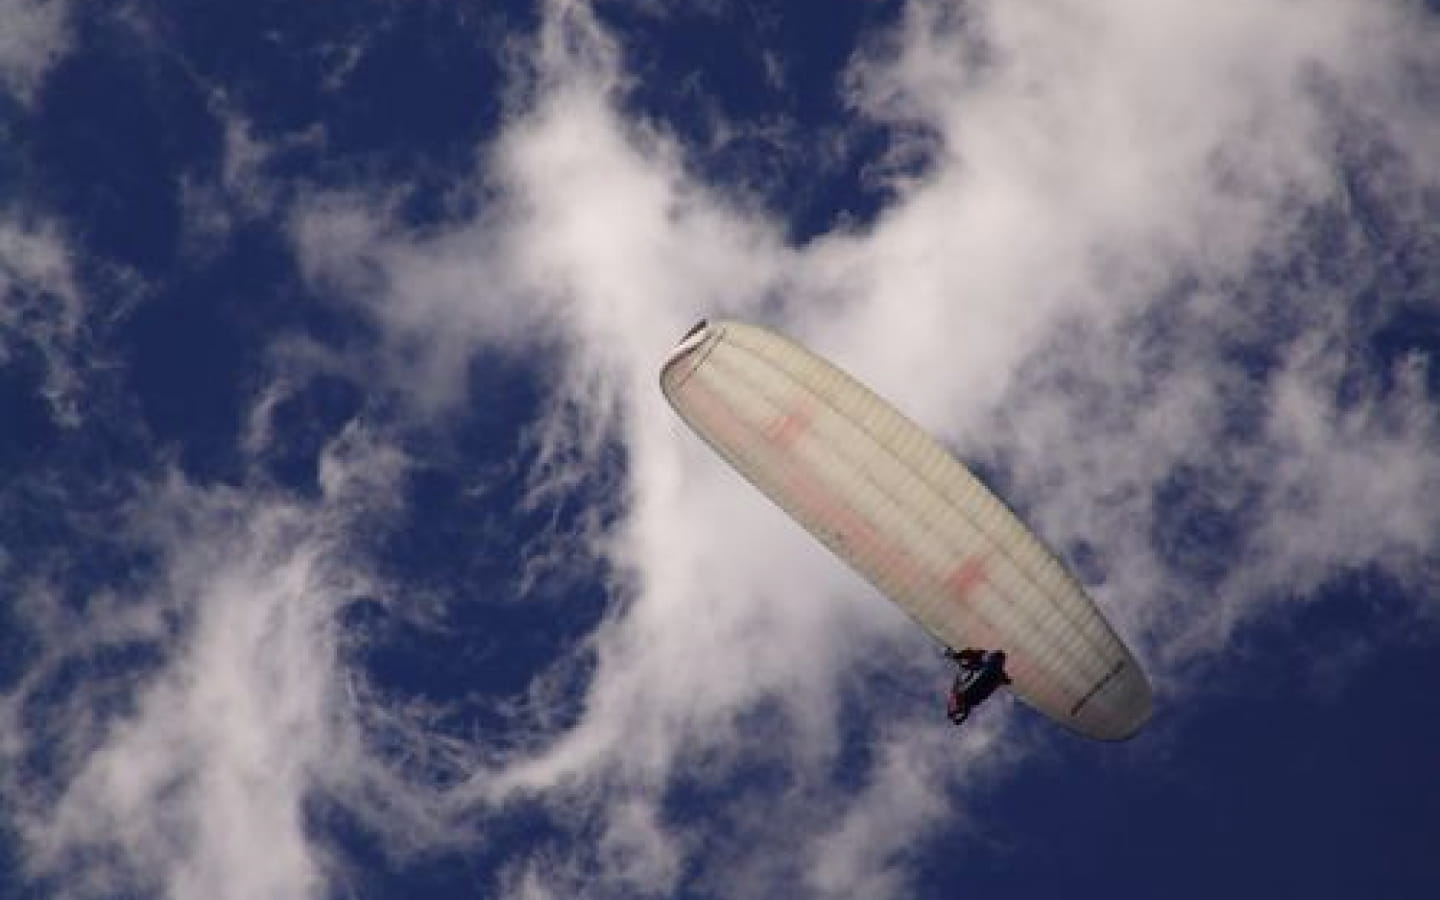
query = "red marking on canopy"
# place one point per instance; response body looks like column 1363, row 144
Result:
column 966, row 577
column 785, row 429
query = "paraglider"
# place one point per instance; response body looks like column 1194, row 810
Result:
column 902, row 511
column 981, row 673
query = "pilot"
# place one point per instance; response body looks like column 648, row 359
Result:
column 981, row 673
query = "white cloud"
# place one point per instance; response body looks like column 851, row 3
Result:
column 241, row 192
column 213, row 707
column 33, row 34
column 41, row 306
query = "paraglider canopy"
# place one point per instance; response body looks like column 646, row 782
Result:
column 891, row 502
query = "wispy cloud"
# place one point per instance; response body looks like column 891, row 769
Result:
column 41, row 307
column 190, row 720
column 35, row 34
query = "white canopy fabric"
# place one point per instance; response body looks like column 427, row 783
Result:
column 891, row 502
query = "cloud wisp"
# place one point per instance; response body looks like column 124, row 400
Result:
column 36, row 33
column 168, row 737
column 41, row 309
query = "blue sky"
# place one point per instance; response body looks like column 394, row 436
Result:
column 347, row 548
